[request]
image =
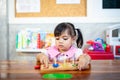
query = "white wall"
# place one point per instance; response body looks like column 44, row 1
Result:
column 3, row 30
column 92, row 27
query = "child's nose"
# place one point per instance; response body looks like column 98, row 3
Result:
column 61, row 40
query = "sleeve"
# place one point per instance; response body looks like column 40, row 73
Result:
column 78, row 53
column 44, row 51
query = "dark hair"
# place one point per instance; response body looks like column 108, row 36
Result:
column 60, row 28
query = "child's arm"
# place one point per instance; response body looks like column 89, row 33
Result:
column 42, row 59
column 83, row 61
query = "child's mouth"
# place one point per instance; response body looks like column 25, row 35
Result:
column 61, row 46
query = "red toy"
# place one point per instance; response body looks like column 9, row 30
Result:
column 37, row 67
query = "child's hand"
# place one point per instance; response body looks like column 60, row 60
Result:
column 84, row 61
column 43, row 59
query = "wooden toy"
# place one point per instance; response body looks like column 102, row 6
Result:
column 55, row 64
column 37, row 67
column 71, row 65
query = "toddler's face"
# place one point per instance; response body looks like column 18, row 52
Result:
column 64, row 41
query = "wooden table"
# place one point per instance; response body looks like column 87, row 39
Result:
column 24, row 70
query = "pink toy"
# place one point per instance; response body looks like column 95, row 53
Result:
column 96, row 45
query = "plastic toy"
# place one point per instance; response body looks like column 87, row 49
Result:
column 99, row 40
column 50, row 40
column 96, row 45
column 108, row 48
column 55, row 76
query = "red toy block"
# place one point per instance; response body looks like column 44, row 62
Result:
column 37, row 67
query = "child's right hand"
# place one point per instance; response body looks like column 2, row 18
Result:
column 84, row 61
column 43, row 59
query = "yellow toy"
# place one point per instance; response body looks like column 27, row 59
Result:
column 49, row 41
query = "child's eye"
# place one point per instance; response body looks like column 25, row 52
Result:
column 57, row 38
column 65, row 38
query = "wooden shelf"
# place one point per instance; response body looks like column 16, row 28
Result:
column 29, row 50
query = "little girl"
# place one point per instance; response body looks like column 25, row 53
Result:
column 65, row 47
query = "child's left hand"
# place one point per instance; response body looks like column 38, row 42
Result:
column 84, row 61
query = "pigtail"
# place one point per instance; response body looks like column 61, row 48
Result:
column 79, row 40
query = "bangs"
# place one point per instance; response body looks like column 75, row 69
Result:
column 60, row 29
